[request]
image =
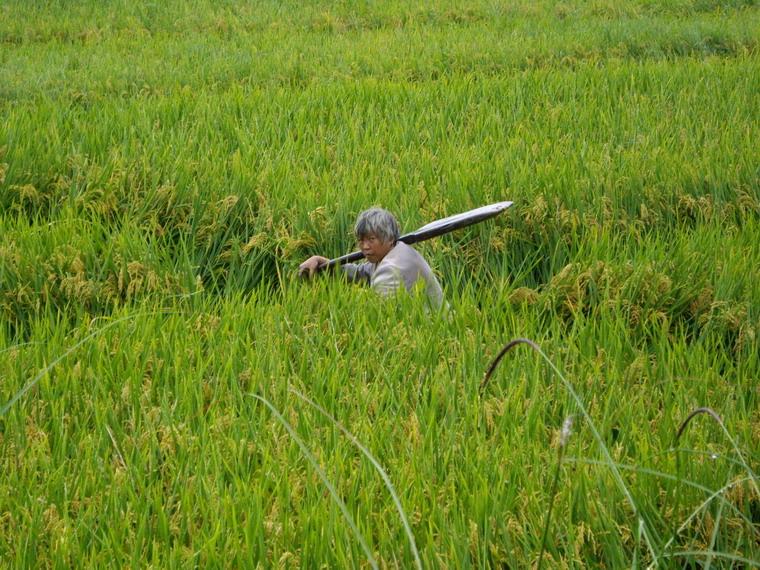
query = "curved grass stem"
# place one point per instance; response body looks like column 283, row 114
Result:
column 710, row 412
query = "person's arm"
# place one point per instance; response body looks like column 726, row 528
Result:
column 357, row 272
column 309, row 267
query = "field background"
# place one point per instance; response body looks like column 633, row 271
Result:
column 165, row 166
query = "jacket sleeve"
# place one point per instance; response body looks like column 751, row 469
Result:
column 357, row 272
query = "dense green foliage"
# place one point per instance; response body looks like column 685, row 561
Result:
column 165, row 166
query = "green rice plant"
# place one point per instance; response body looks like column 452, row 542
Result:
column 337, row 322
column 166, row 167
column 642, row 525
column 377, row 466
column 323, row 477
column 33, row 382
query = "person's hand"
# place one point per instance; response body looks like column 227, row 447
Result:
column 309, row 267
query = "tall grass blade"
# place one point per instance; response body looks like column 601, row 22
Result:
column 323, row 477
column 380, row 470
column 723, row 555
column 33, row 382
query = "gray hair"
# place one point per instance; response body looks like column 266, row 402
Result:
column 379, row 222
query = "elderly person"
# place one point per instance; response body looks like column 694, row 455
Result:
column 390, row 263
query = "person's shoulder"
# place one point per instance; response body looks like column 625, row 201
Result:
column 404, row 255
column 401, row 252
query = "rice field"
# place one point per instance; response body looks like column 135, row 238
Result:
column 173, row 396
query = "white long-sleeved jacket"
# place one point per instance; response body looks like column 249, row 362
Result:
column 402, row 264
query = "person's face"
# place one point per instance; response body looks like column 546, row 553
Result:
column 373, row 248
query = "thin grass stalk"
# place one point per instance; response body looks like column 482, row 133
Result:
column 635, row 559
column 380, row 470
column 563, row 438
column 11, row 347
column 712, row 494
column 323, row 477
column 710, row 454
column 616, row 474
column 507, row 347
column 118, row 452
column 29, row 385
column 723, row 555
column 714, row 536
